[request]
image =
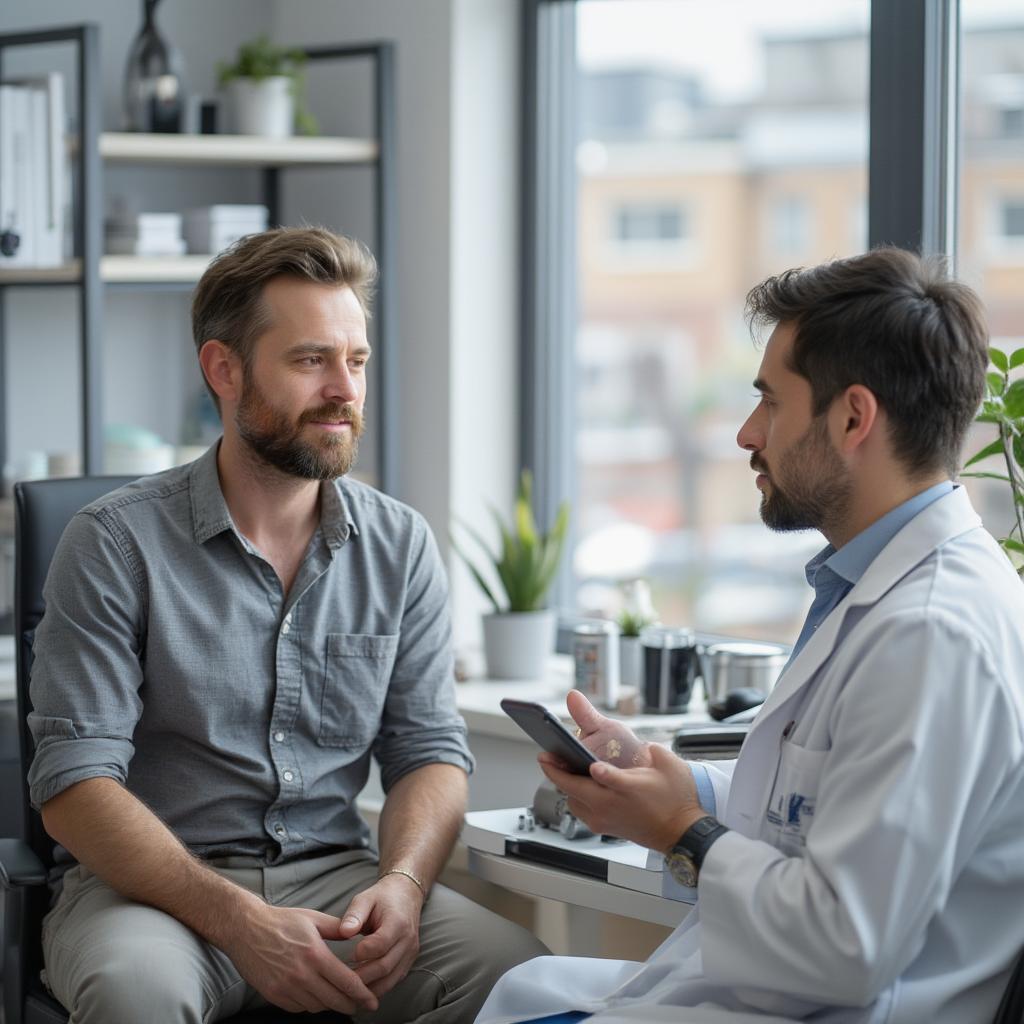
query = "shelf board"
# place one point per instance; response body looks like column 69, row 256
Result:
column 152, row 269
column 240, row 150
column 116, row 270
column 69, row 273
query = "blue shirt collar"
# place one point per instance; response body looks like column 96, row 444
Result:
column 851, row 561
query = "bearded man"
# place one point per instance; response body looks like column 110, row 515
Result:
column 224, row 646
column 862, row 860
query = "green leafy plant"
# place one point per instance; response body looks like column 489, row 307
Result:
column 637, row 610
column 259, row 59
column 527, row 559
column 1004, row 406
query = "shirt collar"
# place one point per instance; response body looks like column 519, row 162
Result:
column 851, row 561
column 210, row 514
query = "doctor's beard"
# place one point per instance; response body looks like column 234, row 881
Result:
column 810, row 488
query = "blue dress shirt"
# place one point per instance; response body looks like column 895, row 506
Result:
column 833, row 573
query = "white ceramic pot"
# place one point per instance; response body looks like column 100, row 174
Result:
column 629, row 661
column 263, row 106
column 517, row 644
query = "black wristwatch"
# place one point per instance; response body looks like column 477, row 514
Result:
column 685, row 858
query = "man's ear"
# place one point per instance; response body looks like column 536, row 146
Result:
column 222, row 369
column 855, row 414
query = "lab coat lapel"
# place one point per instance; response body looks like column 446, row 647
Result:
column 940, row 522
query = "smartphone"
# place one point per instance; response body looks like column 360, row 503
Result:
column 546, row 730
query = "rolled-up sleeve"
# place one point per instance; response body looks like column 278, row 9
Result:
column 421, row 724
column 86, row 671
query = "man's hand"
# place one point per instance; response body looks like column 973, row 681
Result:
column 283, row 954
column 388, row 914
column 606, row 738
column 653, row 805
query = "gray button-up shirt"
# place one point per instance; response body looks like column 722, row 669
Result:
column 170, row 659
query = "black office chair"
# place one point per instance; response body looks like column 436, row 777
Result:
column 42, row 509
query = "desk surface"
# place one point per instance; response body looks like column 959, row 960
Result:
column 479, row 703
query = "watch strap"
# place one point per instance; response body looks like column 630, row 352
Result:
column 700, row 837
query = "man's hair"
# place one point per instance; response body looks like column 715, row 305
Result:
column 228, row 301
column 895, row 323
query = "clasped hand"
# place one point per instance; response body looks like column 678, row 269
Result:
column 284, row 953
column 637, row 791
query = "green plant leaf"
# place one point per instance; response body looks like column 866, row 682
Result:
column 1009, row 544
column 1013, row 400
column 477, row 575
column 995, row 448
column 1016, row 358
column 998, row 359
column 996, row 383
column 988, row 476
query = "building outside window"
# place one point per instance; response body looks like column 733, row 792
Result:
column 737, row 132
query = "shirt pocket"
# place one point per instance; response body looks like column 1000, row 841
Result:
column 357, row 672
column 790, row 812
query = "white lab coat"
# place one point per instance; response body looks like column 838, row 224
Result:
column 875, row 867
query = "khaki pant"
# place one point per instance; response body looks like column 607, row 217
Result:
column 112, row 961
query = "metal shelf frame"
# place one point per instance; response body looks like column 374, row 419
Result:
column 87, row 234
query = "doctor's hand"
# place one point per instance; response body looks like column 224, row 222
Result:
column 388, row 914
column 652, row 806
column 606, row 738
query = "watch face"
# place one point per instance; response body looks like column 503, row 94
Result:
column 682, row 869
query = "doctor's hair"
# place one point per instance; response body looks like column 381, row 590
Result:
column 228, row 305
column 896, row 323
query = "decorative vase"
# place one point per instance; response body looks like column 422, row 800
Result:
column 517, row 644
column 263, row 106
column 629, row 661
column 154, row 84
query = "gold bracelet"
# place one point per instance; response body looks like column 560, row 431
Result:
column 408, row 874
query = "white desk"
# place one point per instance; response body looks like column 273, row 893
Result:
column 507, row 774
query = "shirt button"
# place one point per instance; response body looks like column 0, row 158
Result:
column 288, row 776
column 279, row 830
column 279, row 736
column 287, row 627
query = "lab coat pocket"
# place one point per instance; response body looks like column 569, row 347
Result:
column 355, row 683
column 790, row 811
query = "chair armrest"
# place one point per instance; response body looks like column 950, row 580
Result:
column 19, row 866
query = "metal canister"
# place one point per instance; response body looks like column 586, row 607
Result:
column 595, row 654
column 742, row 665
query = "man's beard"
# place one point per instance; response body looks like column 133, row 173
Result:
column 810, row 489
column 278, row 441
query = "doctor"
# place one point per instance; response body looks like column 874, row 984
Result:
column 863, row 861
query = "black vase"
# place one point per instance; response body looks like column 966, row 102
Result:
column 154, row 84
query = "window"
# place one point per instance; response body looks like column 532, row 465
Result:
column 790, row 226
column 752, row 120
column 1011, row 219
column 739, row 135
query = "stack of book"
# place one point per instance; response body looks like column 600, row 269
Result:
column 145, row 234
column 34, row 191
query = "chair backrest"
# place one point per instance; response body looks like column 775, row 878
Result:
column 42, row 508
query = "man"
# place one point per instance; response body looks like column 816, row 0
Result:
column 224, row 646
column 863, row 860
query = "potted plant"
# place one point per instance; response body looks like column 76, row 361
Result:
column 1004, row 406
column 519, row 633
column 637, row 612
column 267, row 87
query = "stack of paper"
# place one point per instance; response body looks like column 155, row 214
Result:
column 33, row 172
column 145, row 234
